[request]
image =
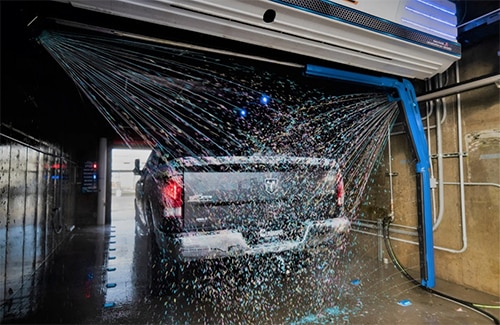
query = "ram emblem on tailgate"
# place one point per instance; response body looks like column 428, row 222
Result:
column 271, row 185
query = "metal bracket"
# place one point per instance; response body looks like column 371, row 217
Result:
column 411, row 110
column 451, row 155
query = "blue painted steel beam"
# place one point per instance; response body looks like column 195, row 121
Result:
column 408, row 99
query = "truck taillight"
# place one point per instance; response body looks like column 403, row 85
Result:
column 340, row 190
column 172, row 198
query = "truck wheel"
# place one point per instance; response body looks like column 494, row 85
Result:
column 156, row 267
column 141, row 229
column 165, row 267
column 154, row 254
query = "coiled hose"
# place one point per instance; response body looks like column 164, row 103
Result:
column 475, row 307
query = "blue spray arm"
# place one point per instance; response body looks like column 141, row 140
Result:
column 406, row 93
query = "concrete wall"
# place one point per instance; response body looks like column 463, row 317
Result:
column 475, row 261
column 37, row 190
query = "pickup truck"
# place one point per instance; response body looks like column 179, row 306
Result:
column 198, row 208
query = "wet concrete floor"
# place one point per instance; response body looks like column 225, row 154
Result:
column 102, row 275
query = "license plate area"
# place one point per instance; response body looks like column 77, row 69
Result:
column 271, row 235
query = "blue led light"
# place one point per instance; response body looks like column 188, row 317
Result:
column 431, row 30
column 265, row 99
column 243, row 112
column 429, row 16
column 437, row 7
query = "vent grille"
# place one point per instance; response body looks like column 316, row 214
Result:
column 361, row 19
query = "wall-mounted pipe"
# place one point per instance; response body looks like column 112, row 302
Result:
column 460, row 88
column 472, row 184
column 369, row 224
column 391, row 175
column 461, row 163
column 461, row 173
column 26, row 135
column 461, row 170
column 439, row 148
column 28, row 146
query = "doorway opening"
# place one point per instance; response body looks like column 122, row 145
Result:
column 123, row 184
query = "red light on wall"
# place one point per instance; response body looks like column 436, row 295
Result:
column 58, row 166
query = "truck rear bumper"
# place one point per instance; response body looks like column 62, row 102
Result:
column 225, row 243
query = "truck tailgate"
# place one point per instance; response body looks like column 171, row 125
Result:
column 264, row 205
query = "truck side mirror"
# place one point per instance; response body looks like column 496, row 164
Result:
column 137, row 167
